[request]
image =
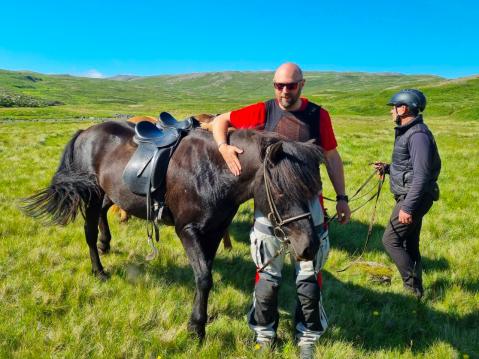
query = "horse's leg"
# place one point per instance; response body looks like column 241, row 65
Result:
column 105, row 235
column 201, row 260
column 92, row 217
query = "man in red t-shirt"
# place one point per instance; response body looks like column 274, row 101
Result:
column 299, row 120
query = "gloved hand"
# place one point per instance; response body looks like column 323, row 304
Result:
column 382, row 167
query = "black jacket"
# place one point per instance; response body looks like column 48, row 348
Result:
column 415, row 165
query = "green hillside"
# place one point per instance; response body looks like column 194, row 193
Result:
column 53, row 307
column 342, row 93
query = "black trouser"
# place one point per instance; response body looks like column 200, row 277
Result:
column 401, row 241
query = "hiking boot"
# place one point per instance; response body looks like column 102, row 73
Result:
column 306, row 351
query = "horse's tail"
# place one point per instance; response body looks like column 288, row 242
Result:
column 70, row 190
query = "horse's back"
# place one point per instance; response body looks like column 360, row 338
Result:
column 104, row 150
column 119, row 129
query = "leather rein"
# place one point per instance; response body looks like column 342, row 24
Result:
column 277, row 221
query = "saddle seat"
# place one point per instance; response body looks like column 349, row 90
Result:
column 147, row 132
column 146, row 171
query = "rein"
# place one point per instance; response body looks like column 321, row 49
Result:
column 275, row 217
column 373, row 215
column 355, row 198
column 370, row 228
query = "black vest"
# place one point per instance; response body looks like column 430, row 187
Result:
column 401, row 170
column 297, row 125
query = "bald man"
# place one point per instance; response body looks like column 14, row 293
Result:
column 300, row 120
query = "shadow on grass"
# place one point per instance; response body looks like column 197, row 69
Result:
column 434, row 265
column 240, row 230
column 439, row 288
column 374, row 320
column 367, row 318
column 352, row 239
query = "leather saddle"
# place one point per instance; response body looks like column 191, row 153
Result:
column 168, row 121
column 146, row 171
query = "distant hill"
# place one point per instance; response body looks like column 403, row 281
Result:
column 123, row 77
column 342, row 93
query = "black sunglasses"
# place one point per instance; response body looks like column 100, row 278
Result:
column 290, row 86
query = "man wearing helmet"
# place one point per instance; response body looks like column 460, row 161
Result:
column 413, row 176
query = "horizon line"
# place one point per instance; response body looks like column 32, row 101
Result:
column 95, row 74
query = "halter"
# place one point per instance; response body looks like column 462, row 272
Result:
column 274, row 217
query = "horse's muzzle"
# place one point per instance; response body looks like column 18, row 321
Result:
column 306, row 253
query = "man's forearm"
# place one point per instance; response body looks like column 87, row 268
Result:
column 229, row 153
column 220, row 127
column 334, row 166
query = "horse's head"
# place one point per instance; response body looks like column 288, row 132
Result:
column 284, row 188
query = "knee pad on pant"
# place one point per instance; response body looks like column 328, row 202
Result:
column 266, row 300
column 308, row 307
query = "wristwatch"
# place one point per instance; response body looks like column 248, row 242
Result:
column 342, row 197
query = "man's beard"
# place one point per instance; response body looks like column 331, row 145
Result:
column 290, row 101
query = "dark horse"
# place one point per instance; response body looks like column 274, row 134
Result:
column 201, row 193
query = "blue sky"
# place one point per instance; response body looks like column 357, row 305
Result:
column 105, row 38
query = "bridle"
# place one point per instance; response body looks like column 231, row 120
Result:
column 277, row 222
column 274, row 216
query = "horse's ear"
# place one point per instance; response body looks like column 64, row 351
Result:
column 276, row 152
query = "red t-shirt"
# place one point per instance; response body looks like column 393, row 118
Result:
column 254, row 116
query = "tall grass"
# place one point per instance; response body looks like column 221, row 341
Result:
column 51, row 306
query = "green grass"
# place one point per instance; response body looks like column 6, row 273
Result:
column 352, row 94
column 51, row 306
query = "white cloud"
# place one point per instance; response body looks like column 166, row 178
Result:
column 94, row 74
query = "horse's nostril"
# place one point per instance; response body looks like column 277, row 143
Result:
column 305, row 256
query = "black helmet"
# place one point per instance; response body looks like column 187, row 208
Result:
column 414, row 99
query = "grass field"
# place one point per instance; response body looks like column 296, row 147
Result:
column 352, row 94
column 51, row 306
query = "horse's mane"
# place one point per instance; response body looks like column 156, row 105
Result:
column 296, row 174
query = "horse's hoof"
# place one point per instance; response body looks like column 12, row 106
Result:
column 197, row 331
column 102, row 275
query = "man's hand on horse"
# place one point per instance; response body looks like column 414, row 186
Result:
column 230, row 155
column 344, row 213
column 404, row 217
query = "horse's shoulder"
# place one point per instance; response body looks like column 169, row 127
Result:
column 199, row 136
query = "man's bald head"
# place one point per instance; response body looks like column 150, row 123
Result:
column 288, row 82
column 287, row 73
